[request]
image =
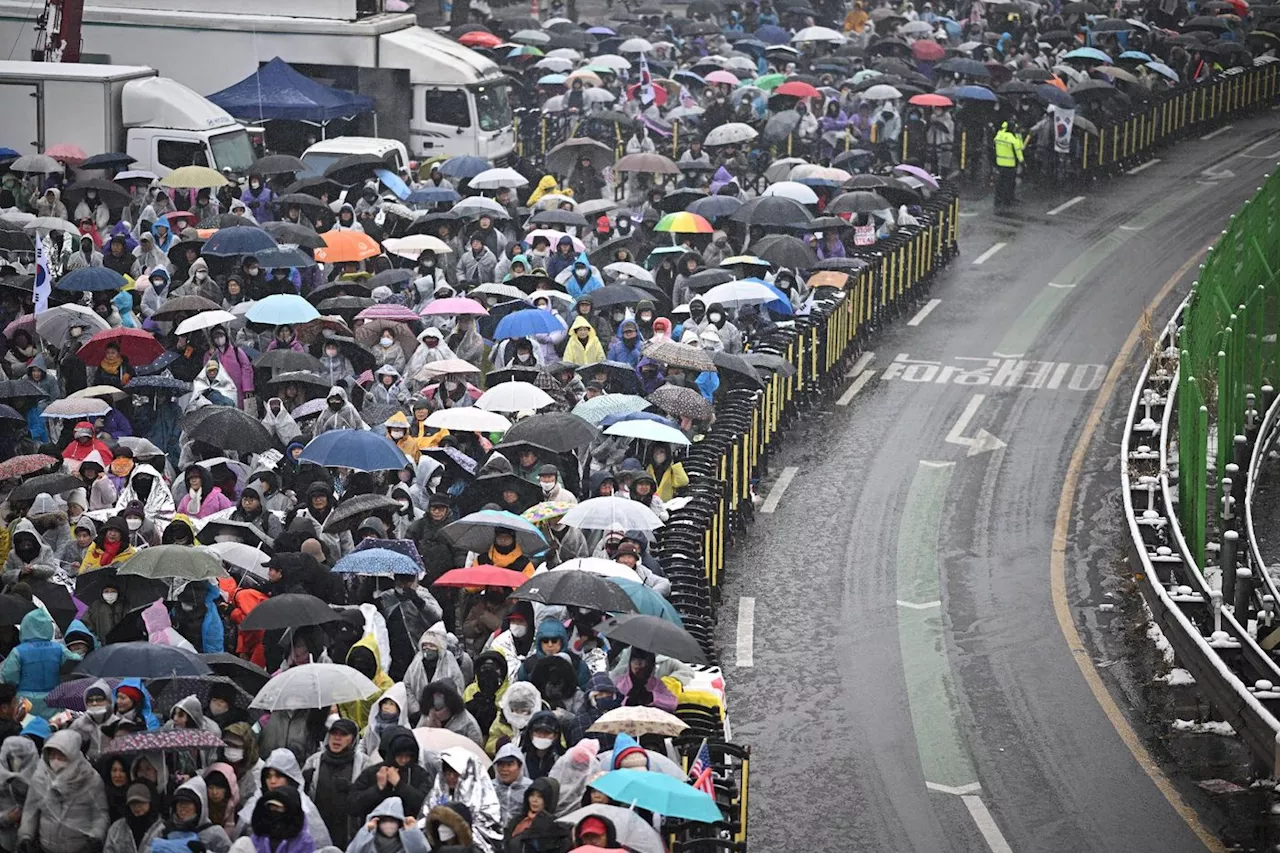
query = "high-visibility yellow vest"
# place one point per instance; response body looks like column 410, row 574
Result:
column 1008, row 149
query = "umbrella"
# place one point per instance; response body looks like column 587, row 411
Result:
column 479, row 575
column 971, row 93
column 36, row 164
column 569, row 154
column 602, row 567
column 571, row 587
column 468, row 419
column 205, row 320
column 439, row 740
column 72, row 408
column 109, row 192
column 287, row 359
column 732, row 133
column 645, row 599
column 474, row 532
column 633, row 831
column 163, row 385
column 679, row 355
column 108, row 160
column 377, row 562
column 241, row 531
column 681, row 402
column 9, row 413
column 355, row 509
column 44, row 484
column 69, row 695
column 312, row 685
column 138, row 346
column 858, row 201
column 194, row 178
column 14, row 607
column 772, row 211
column 228, row 428
column 360, row 450
column 730, row 363
column 683, row 222
column 646, row 430
column 546, row 511
column 54, row 324
column 455, row 306
column 163, row 740
column 290, row 610
column 1092, row 53
column 514, row 397
column 141, row 660
column 446, row 367
column 493, row 179
column 277, row 164
column 782, row 250
column 229, row 242
column 281, row 309
column 637, row 721
column 174, row 561
column 473, row 207
column 659, row 793
column 653, row 634
column 598, row 408
column 248, row 675
column 612, row 511
column 463, row 167
column 91, row 279
column 526, row 323
column 244, row 557
column 14, row 389
column 414, row 245
column 20, row 466
column 167, row 692
column 180, row 308
column 654, row 164
column 560, row 431
column 715, row 206
column 346, row 246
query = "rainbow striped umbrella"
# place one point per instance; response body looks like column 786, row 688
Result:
column 683, row 222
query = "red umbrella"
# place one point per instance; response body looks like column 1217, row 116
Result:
column 135, row 345
column 659, row 93
column 479, row 39
column 21, row 466
column 927, row 51
column 179, row 219
column 797, row 89
column 481, row 575
column 1242, row 7
column 931, row 100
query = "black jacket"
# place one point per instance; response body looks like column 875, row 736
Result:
column 415, row 782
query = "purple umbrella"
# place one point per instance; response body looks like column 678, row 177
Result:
column 164, row 740
column 917, row 172
column 70, row 694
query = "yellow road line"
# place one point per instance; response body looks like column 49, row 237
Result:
column 1058, row 583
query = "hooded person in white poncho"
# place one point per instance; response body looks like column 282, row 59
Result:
column 433, row 662
column 215, row 385
column 148, row 487
column 280, row 423
column 433, row 349
column 462, row 781
column 338, row 413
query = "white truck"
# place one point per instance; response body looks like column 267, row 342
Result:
column 435, row 95
column 129, row 108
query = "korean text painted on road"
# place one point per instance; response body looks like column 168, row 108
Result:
column 997, row 373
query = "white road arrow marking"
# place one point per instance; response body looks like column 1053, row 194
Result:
column 980, row 443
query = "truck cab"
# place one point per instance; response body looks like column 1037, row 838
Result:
column 168, row 126
column 327, row 152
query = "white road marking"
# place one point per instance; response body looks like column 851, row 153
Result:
column 986, row 256
column 1069, row 203
column 927, row 605
column 986, row 824
column 746, row 631
column 968, row 214
column 930, row 464
column 924, row 312
column 775, row 494
column 1007, row 354
column 860, row 365
column 863, row 378
column 980, row 443
column 1147, row 165
column 1218, row 132
column 1064, row 286
column 971, row 788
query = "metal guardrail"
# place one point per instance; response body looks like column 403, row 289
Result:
column 1267, row 435
column 1211, row 638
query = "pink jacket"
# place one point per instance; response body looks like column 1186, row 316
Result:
column 213, row 502
column 663, row 699
column 238, row 365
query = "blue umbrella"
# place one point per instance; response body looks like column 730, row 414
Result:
column 658, row 792
column 953, row 27
column 1161, row 68
column 551, row 80
column 280, row 309
column 647, row 601
column 781, row 305
column 357, row 449
column 285, row 257
column 379, row 562
column 773, row 35
column 9, row 154
column 689, row 75
column 400, row 546
column 141, row 660
column 1135, row 54
column 393, row 182
column 434, row 195
column 970, row 93
column 1088, row 53
column 464, row 166
column 239, row 240
column 92, row 279
column 715, row 206
column 531, row 321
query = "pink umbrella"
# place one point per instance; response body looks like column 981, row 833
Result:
column 394, row 313
column 26, row 321
column 722, row 76
column 67, row 153
column 455, row 305
column 917, row 172
column 429, row 391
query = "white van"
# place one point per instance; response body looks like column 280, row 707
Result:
column 327, row 152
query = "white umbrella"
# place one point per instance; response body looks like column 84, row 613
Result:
column 53, row 324
column 681, row 113
column 730, row 134
column 244, row 557
column 468, row 419
column 735, row 294
column 514, row 397
column 492, row 179
column 790, row 189
column 415, row 244
column 565, row 53
column 18, row 217
column 71, row 408
column 649, row 430
column 553, row 104
column 493, row 288
column 98, row 392
column 440, row 741
column 598, row 566
column 819, row 34
column 633, row 831
column 612, row 60
column 556, row 64
column 881, row 92
column 599, row 96
column 636, row 45
column 478, row 205
column 52, row 223
column 626, row 269
column 205, row 320
column 780, row 169
column 313, row 685
column 812, row 170
column 550, row 201
column 611, row 511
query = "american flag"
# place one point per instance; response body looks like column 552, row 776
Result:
column 700, row 770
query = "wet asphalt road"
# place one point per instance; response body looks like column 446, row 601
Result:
column 904, row 630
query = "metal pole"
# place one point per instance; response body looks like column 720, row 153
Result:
column 1244, row 586
column 1230, row 550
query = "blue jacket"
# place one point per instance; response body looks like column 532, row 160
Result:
column 146, row 713
column 211, row 633
column 578, row 289
column 36, row 424
column 619, row 351
column 35, row 664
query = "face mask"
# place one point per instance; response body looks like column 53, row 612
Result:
column 99, row 714
column 542, row 742
column 201, row 275
column 397, row 434
column 548, row 488
column 519, row 630
column 133, row 523
column 388, row 718
column 110, row 597
column 388, row 827
column 217, row 707
column 437, row 702
column 251, row 271
column 646, row 317
column 233, row 755
column 386, row 341
column 335, row 405
column 56, row 764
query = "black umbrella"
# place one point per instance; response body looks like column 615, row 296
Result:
column 291, row 610
column 390, row 278
column 558, row 218
column 772, row 212
column 682, row 402
column 965, row 67
column 568, row 154
column 56, row 598
column 489, row 488
column 162, row 385
column 770, row 362
column 243, row 531
column 112, row 194
column 167, row 692
column 248, row 675
column 182, row 307
column 17, row 241
column 353, row 510
column 354, row 168
column 141, row 660
column 299, row 235
column 277, row 164
column 617, row 294
column 680, row 199
column 228, row 428
column 45, row 484
column 13, row 608
column 730, row 363
column 17, row 389
column 857, row 201
column 653, row 634
column 560, row 431
column 287, row 359
column 135, row 590
column 157, row 366
column 9, row 413
column 514, row 373
column 576, row 588
column 109, row 160
column 1207, row 22
column 622, row 376
column 604, row 253
column 338, row 288
column 301, row 377
column 783, row 250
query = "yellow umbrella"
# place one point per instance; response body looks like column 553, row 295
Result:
column 589, row 78
column 194, row 178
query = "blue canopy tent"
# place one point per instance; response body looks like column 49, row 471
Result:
column 277, row 91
